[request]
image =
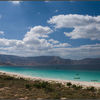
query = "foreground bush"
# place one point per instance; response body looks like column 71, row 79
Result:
column 91, row 89
column 43, row 85
column 28, row 86
column 69, row 84
column 12, row 88
column 76, row 86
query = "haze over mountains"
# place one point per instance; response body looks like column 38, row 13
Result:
column 44, row 60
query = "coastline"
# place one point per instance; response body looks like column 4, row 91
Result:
column 82, row 83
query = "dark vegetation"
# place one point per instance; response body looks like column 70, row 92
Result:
column 12, row 88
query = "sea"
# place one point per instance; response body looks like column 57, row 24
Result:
column 89, row 73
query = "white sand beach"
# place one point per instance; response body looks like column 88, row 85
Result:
column 82, row 83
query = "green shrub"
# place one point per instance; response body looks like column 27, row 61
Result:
column 59, row 85
column 22, row 78
column 43, row 85
column 27, row 86
column 79, row 87
column 76, row 87
column 91, row 89
column 8, row 78
column 37, row 84
column 69, row 84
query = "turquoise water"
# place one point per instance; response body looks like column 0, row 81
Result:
column 55, row 72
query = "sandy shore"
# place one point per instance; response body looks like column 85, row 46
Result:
column 82, row 83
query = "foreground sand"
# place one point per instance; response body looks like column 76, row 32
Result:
column 82, row 83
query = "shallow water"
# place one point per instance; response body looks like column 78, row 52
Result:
column 57, row 72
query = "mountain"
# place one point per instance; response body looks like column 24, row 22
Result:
column 44, row 60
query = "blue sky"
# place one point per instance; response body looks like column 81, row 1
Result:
column 68, row 29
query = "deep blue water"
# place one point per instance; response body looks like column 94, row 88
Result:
column 69, row 72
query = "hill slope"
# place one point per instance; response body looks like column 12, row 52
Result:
column 44, row 60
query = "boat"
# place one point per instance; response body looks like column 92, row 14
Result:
column 77, row 76
column 94, row 80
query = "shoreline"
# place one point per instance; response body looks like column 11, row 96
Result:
column 82, row 83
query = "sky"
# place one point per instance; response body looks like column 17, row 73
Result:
column 69, row 29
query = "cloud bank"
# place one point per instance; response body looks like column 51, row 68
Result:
column 16, row 2
column 84, row 26
column 37, row 41
column 34, row 43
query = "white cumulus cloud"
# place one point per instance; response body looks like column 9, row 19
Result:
column 34, row 43
column 83, row 26
column 2, row 32
column 16, row 2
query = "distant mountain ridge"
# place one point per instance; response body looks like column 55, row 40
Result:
column 43, row 60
